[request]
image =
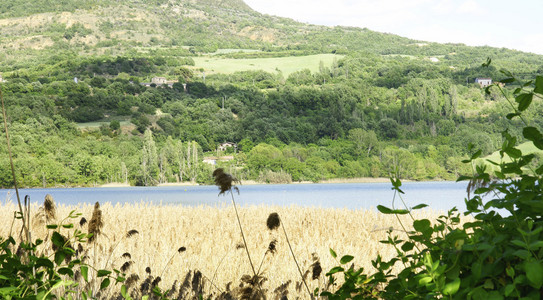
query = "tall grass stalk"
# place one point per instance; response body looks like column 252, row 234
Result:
column 243, row 235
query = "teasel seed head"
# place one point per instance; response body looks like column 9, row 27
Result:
column 148, row 270
column 131, row 233
column 316, row 270
column 96, row 223
column 79, row 248
column 126, row 255
column 126, row 266
column 273, row 221
column 181, row 249
column 131, row 280
column 156, row 281
column 272, row 246
column 50, row 208
column 82, row 222
column 224, row 180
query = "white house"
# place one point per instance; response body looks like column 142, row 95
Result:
column 223, row 146
column 483, row 82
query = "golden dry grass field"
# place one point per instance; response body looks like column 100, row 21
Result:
column 211, row 234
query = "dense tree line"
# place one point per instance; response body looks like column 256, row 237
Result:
column 363, row 116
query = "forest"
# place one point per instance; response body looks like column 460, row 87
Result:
column 84, row 113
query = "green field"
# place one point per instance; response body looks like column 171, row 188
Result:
column 97, row 124
column 286, row 65
column 526, row 148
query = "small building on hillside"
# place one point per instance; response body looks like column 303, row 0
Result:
column 483, row 82
column 159, row 81
column 223, row 146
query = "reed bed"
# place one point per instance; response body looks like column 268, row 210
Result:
column 173, row 240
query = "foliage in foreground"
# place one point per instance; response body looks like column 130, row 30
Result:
column 43, row 269
column 499, row 255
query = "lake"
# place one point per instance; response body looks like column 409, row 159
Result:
column 438, row 195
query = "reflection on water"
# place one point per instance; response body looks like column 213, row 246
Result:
column 438, row 195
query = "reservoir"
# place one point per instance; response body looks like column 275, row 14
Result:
column 441, row 195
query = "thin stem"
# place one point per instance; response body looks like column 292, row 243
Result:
column 217, row 269
column 294, row 257
column 245, row 243
column 262, row 262
column 166, row 266
column 11, row 163
column 242, row 234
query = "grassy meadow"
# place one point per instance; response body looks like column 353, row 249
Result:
column 286, row 65
column 211, row 238
column 526, row 148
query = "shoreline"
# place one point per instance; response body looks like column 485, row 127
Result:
column 242, row 182
column 254, row 182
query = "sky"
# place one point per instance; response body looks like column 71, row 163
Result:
column 498, row 23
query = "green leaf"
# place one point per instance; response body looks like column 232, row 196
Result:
column 85, row 272
column 335, row 270
column 66, row 271
column 388, row 211
column 51, row 226
column 489, row 285
column 538, row 85
column 7, row 290
column 123, row 291
column 408, row 246
column 535, row 245
column 68, row 226
column 463, row 177
column 57, row 239
column 476, row 154
column 102, row 273
column 422, row 226
column 508, row 80
column 513, row 152
column 333, row 253
column 539, row 170
column 384, row 210
column 452, row 287
column 523, row 254
column 524, row 101
column 509, row 289
column 533, row 134
column 510, row 271
column 419, row 206
column 506, row 72
column 534, row 273
column 105, row 283
column 512, row 115
column 425, row 280
column 44, row 262
column 345, row 259
column 59, row 257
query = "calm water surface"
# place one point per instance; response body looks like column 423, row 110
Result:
column 438, row 195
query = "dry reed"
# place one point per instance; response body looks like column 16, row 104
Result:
column 210, row 239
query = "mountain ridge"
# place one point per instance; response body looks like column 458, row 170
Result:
column 190, row 27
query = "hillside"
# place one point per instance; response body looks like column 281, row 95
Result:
column 140, row 91
column 38, row 29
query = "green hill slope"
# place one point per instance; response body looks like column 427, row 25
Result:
column 38, row 29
